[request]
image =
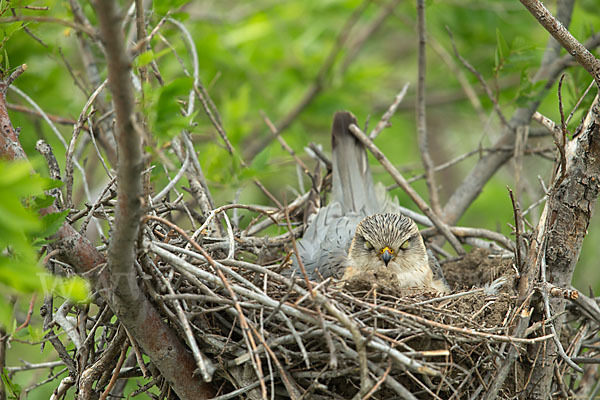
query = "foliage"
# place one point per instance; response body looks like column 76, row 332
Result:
column 265, row 56
column 22, row 233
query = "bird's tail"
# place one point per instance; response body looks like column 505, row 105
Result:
column 352, row 184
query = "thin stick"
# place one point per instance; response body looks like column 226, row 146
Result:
column 115, row 375
column 379, row 381
column 563, row 138
column 248, row 337
column 283, row 143
column 88, row 30
column 466, row 331
column 384, row 122
column 484, row 85
column 564, row 37
column 434, row 197
column 579, row 102
column 29, row 313
column 204, row 364
column 518, row 224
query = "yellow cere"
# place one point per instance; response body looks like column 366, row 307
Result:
column 386, row 249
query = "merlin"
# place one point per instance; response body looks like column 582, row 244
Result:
column 361, row 230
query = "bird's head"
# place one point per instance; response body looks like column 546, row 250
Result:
column 387, row 241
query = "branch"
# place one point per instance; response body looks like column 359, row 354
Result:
column 88, row 30
column 320, row 81
column 120, row 289
column 564, row 37
column 434, row 197
column 487, row 166
column 10, row 147
column 568, row 212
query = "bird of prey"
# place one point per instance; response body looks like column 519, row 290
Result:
column 361, row 230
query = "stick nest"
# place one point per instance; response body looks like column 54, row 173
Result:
column 268, row 334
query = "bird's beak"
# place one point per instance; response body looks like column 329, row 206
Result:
column 386, row 255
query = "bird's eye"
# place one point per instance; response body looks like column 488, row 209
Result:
column 368, row 245
column 404, row 245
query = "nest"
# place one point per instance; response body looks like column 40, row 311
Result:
column 270, row 335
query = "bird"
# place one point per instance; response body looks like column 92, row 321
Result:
column 361, row 230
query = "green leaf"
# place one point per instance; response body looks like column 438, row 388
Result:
column 260, row 162
column 52, row 222
column 44, row 201
column 145, row 58
column 35, row 334
column 164, row 6
column 502, row 51
column 13, row 390
column 168, row 120
column 75, row 288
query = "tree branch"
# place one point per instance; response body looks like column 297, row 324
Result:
column 127, row 301
column 568, row 212
column 428, row 164
column 487, row 165
column 564, row 37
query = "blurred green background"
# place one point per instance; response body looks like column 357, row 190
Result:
column 267, row 56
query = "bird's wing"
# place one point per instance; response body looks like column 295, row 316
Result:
column 324, row 246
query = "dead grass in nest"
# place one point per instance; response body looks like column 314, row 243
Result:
column 274, row 335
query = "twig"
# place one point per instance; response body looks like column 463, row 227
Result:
column 173, row 182
column 576, row 106
column 60, row 317
column 548, row 124
column 226, row 207
column 71, row 148
column 518, row 228
column 564, row 37
column 465, row 331
column 204, row 364
column 561, row 146
column 422, row 133
column 53, row 118
column 384, row 122
column 276, row 217
column 88, row 30
column 29, row 366
column 53, row 168
column 459, row 74
column 28, row 316
column 557, row 343
column 379, row 381
column 58, row 136
column 115, row 374
column 283, row 143
column 319, row 82
column 484, row 85
column 466, row 232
